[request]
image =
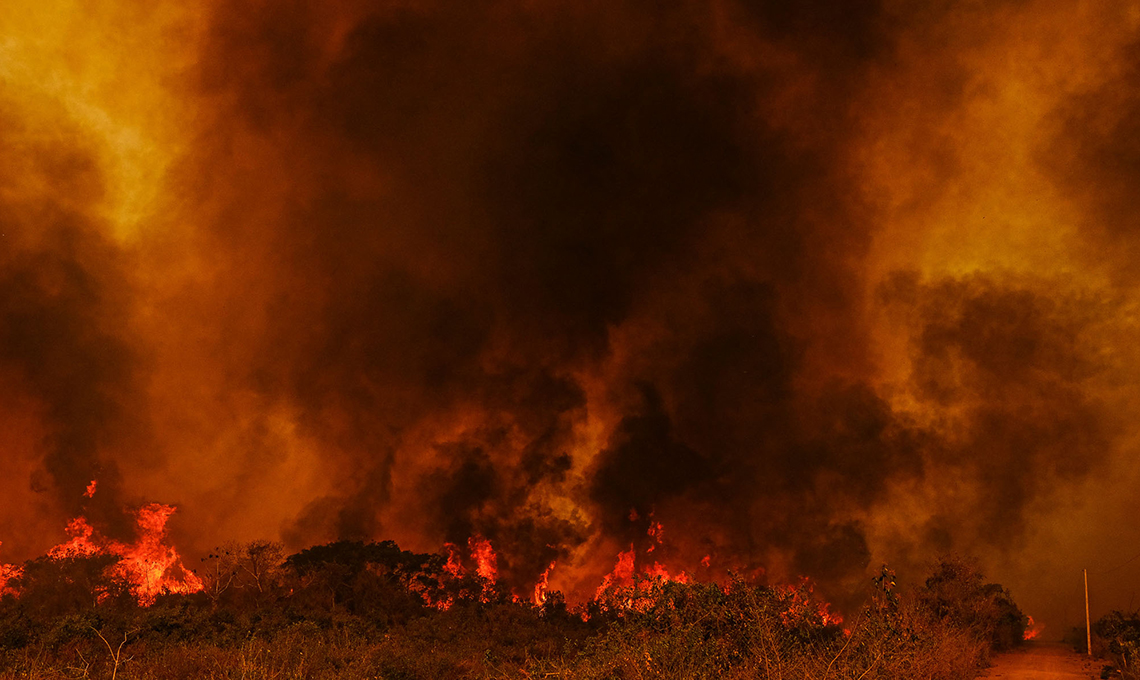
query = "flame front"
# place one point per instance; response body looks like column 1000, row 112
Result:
column 148, row 565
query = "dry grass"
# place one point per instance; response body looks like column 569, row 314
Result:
column 373, row 631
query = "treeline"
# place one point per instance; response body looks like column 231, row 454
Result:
column 354, row 610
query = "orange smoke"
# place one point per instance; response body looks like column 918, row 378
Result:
column 820, row 286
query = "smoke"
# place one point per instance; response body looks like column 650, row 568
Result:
column 811, row 287
column 64, row 297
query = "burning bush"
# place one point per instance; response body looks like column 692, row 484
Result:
column 956, row 593
column 357, row 610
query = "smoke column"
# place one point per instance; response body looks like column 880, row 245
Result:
column 813, row 288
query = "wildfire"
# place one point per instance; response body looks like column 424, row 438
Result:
column 800, row 604
column 486, row 568
column 1032, row 629
column 80, row 545
column 621, row 574
column 7, row 573
column 486, row 564
column 151, row 567
column 542, row 586
column 626, row 566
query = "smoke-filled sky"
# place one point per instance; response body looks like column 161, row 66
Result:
column 817, row 286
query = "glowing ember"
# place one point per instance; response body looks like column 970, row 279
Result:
column 90, row 492
column 1032, row 629
column 800, row 605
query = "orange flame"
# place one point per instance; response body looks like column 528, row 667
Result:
column 486, row 564
column 542, row 586
column 152, row 567
column 800, row 604
column 80, row 544
column 7, row 573
column 453, row 566
column 626, row 566
column 1032, row 630
column 622, row 573
column 148, row 565
column 90, row 492
column 486, row 568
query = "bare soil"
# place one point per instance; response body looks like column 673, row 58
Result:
column 1044, row 661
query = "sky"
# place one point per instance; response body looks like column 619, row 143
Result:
column 800, row 288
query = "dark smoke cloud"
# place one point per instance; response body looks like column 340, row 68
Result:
column 1010, row 366
column 1093, row 157
column 551, row 273
column 64, row 307
column 481, row 204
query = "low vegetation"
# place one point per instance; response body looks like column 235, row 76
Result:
column 352, row 610
column 1115, row 638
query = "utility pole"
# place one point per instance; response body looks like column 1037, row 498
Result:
column 1088, row 625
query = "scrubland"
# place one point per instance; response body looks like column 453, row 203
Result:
column 357, row 611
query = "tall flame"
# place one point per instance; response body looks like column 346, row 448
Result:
column 149, row 565
column 486, row 563
column 543, row 585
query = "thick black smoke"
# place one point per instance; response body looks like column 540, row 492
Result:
column 551, row 273
column 64, row 309
column 486, row 210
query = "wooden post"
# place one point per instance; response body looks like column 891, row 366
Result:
column 1088, row 625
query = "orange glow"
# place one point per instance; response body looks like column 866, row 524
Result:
column 151, row 567
column 325, row 285
column 1032, row 629
column 621, row 574
column 7, row 573
column 800, row 604
column 80, row 544
column 453, row 565
column 541, row 587
column 486, row 564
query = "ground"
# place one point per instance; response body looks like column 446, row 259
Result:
column 1044, row 662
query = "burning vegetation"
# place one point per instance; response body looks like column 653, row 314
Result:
column 637, row 309
column 357, row 610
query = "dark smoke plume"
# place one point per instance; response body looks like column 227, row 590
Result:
column 558, row 274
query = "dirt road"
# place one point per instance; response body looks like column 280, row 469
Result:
column 1044, row 662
